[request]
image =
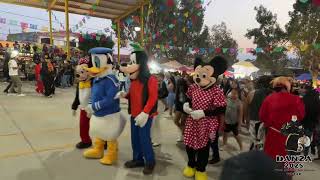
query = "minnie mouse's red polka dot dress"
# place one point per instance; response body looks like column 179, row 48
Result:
column 198, row 132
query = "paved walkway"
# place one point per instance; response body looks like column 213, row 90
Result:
column 37, row 138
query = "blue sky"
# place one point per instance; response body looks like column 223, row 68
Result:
column 239, row 15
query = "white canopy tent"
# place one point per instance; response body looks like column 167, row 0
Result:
column 244, row 68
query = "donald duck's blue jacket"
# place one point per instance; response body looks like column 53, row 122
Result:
column 103, row 92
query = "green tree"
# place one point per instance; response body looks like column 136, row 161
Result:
column 304, row 30
column 179, row 26
column 86, row 42
column 271, row 38
column 221, row 37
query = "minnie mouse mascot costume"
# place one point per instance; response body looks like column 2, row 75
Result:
column 206, row 102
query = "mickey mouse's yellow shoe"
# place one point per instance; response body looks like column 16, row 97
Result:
column 189, row 172
column 201, row 176
column 97, row 151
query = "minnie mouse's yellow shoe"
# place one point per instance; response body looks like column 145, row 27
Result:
column 189, row 172
column 201, row 175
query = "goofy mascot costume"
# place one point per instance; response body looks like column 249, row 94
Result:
column 142, row 97
column 106, row 123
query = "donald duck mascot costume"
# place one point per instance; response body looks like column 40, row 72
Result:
column 106, row 123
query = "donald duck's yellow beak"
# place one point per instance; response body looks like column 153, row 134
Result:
column 94, row 71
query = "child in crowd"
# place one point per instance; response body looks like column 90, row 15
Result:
column 233, row 117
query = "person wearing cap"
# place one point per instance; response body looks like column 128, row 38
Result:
column 14, row 74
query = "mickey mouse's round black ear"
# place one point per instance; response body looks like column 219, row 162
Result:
column 197, row 62
column 219, row 64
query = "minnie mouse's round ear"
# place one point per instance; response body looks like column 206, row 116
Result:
column 197, row 62
column 219, row 64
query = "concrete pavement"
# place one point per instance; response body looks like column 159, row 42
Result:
column 37, row 138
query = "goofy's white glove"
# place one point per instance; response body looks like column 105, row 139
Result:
column 186, row 108
column 198, row 114
column 120, row 94
column 141, row 119
column 89, row 110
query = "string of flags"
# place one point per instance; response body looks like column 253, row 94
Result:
column 93, row 36
column 190, row 17
column 24, row 26
column 86, row 17
column 56, row 19
column 196, row 50
column 80, row 23
column 93, row 7
column 314, row 2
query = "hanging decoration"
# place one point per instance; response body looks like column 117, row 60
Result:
column 170, row 3
column 186, row 19
column 56, row 19
column 316, row 2
column 225, row 50
column 93, row 7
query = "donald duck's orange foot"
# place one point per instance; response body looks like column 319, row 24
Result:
column 97, row 151
column 112, row 155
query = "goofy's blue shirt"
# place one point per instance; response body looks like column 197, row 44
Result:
column 103, row 91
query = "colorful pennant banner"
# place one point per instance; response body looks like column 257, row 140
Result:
column 196, row 50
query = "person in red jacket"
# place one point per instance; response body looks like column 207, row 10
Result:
column 39, row 85
column 276, row 110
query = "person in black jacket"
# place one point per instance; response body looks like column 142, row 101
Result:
column 5, row 65
column 163, row 91
column 47, row 76
column 180, row 99
column 312, row 108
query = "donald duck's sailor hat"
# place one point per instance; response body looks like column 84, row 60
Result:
column 100, row 50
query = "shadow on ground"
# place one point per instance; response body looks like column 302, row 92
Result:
column 59, row 165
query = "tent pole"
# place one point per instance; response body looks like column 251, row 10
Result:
column 142, row 25
column 118, row 33
column 50, row 23
column 67, row 28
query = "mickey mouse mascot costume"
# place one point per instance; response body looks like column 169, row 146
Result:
column 142, row 97
column 206, row 103
column 106, row 123
column 82, row 99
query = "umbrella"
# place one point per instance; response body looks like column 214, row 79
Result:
column 244, row 67
column 305, row 76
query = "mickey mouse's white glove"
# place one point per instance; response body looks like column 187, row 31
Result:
column 186, row 108
column 198, row 114
column 141, row 119
column 89, row 110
